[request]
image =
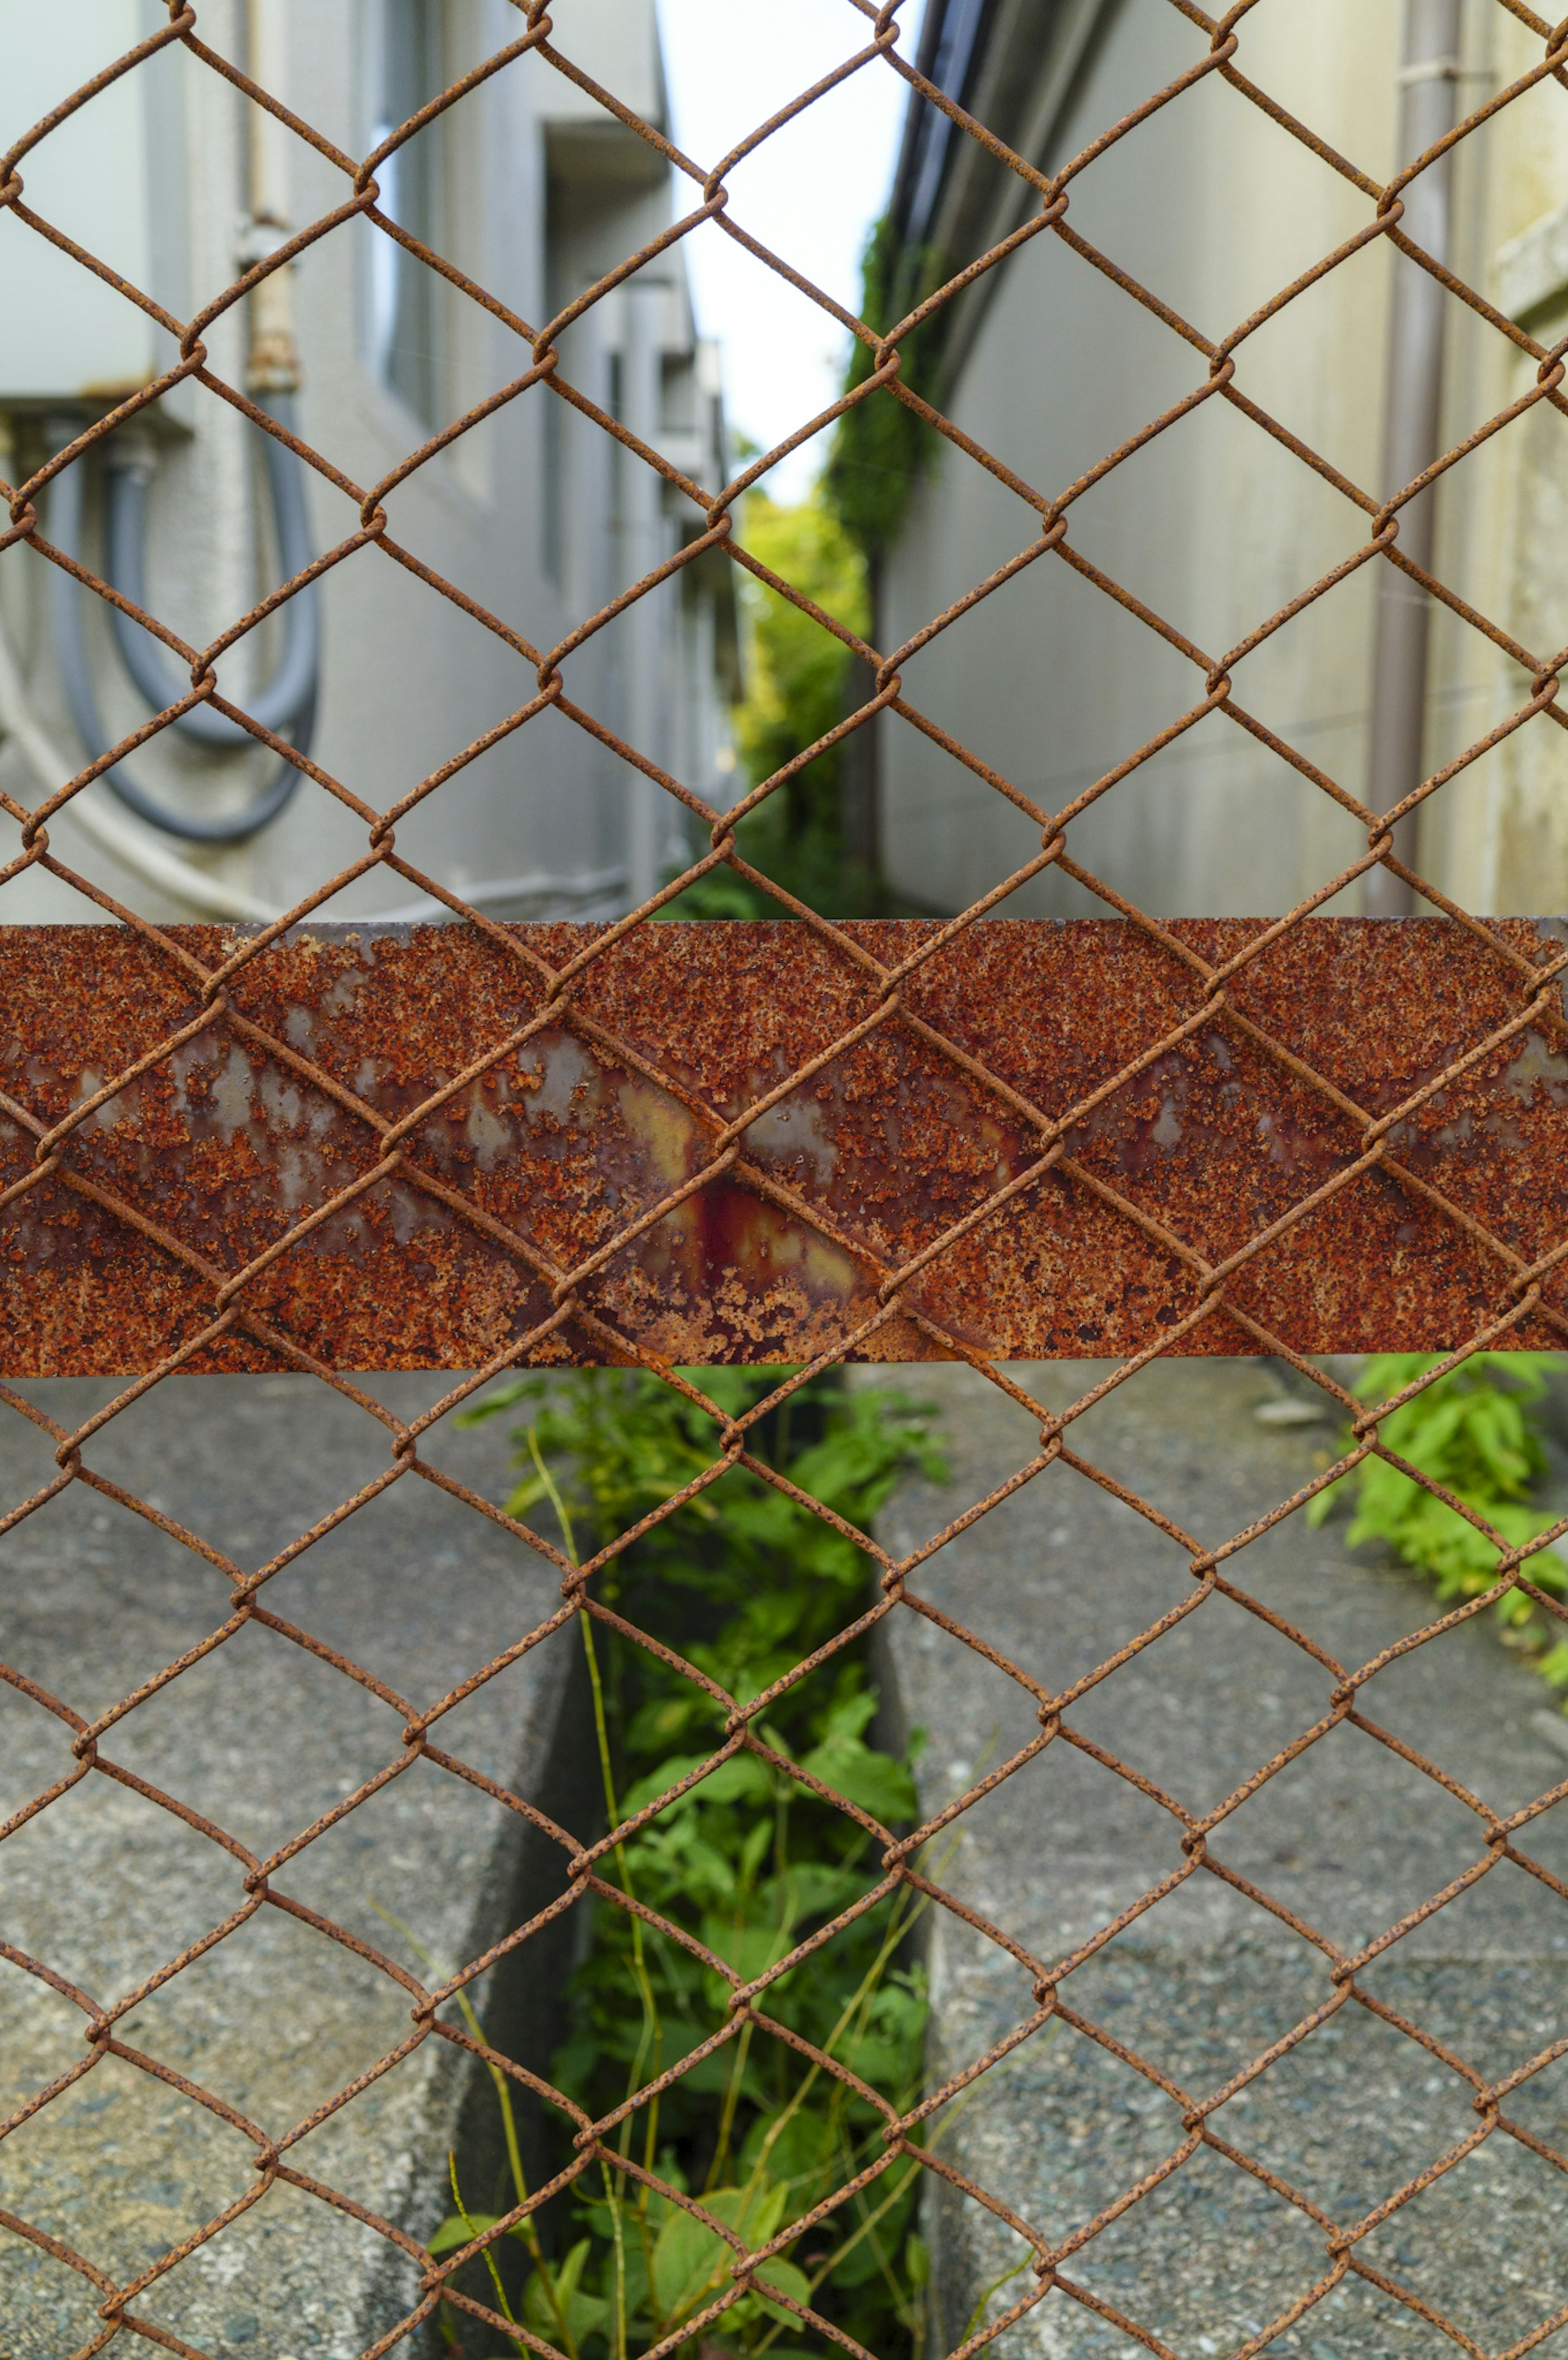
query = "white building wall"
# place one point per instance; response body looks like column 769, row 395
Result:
column 1498, row 837
column 1215, row 209
column 520, row 514
column 1213, row 526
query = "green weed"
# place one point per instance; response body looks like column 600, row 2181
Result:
column 745, row 1583
column 1473, row 1431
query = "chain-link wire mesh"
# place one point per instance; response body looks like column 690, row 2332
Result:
column 221, row 987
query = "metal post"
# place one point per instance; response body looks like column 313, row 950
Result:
column 1411, row 431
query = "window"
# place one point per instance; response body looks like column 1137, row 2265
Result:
column 406, row 62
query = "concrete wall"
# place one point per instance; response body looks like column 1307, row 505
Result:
column 1215, row 208
column 1499, row 837
column 523, row 514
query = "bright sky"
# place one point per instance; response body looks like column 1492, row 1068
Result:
column 810, row 192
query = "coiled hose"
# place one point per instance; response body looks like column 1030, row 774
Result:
column 286, row 705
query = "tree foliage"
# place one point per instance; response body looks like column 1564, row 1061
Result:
column 800, row 675
column 795, row 692
column 796, row 672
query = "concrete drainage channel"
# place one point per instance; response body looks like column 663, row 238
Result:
column 420, row 1590
column 261, row 1737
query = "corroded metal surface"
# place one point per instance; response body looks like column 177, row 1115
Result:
column 1235, row 1109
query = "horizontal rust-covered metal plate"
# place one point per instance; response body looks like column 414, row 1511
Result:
column 461, row 1218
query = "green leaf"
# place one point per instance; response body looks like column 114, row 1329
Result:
column 755, row 1844
column 742, row 1776
column 687, row 2257
column 786, row 2278
column 691, row 2261
column 847, row 1715
column 456, row 2231
column 583, row 2312
column 797, row 2154
column 499, row 1398
column 873, row 1780
column 811, row 1889
column 568, row 2277
column 524, row 1497
column 750, row 1948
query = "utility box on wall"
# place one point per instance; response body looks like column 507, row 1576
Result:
column 113, row 178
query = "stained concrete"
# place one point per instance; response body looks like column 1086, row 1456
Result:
column 1348, row 1838
column 105, row 1886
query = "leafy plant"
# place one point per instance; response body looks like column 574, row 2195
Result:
column 1472, row 1431
column 745, row 1583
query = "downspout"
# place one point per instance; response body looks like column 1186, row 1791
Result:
column 1411, row 437
column 643, row 544
column 272, row 366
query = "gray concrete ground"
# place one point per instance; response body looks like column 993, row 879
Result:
column 105, row 1886
column 1349, row 1838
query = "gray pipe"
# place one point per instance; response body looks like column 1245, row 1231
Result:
column 82, row 699
column 293, row 685
column 1411, row 437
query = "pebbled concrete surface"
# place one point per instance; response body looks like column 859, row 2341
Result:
column 261, row 1736
column 1349, row 1838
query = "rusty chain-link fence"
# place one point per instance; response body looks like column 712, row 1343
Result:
column 583, row 1255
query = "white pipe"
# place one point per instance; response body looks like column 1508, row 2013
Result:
column 595, row 885
column 643, row 539
column 273, row 365
column 210, row 897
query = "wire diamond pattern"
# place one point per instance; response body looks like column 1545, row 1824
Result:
column 223, row 1299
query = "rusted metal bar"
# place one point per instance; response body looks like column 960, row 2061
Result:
column 1123, row 1127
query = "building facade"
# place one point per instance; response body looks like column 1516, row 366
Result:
column 1215, row 525
column 531, row 190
